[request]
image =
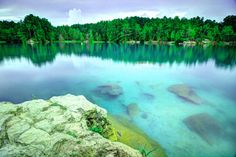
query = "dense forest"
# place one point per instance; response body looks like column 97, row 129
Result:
column 141, row 29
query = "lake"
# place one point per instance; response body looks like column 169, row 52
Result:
column 182, row 97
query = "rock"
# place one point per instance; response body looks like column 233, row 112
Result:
column 189, row 43
column 144, row 115
column 62, row 126
column 109, row 91
column 45, row 125
column 34, row 107
column 4, row 118
column 147, row 96
column 31, row 41
column 231, row 132
column 133, row 109
column 155, row 86
column 34, row 136
column 15, row 129
column 71, row 103
column 204, row 126
column 13, row 150
column 186, row 93
column 7, row 107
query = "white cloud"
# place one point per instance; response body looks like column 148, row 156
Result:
column 6, row 14
column 74, row 16
column 10, row 18
column 5, row 10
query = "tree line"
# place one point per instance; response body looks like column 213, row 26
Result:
column 121, row 30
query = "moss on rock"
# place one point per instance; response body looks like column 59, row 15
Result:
column 100, row 124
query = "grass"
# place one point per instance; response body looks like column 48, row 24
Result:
column 147, row 153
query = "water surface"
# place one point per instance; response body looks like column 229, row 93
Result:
column 145, row 73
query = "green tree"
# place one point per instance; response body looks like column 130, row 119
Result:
column 230, row 21
column 91, row 38
column 121, row 30
column 228, row 33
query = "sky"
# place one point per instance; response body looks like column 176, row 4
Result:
column 68, row 12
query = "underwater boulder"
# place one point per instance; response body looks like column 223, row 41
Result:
column 205, row 126
column 231, row 132
column 133, row 109
column 144, row 115
column 185, row 92
column 109, row 90
column 147, row 96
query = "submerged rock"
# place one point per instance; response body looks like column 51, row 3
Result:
column 155, row 86
column 144, row 115
column 204, row 126
column 62, row 126
column 109, row 90
column 147, row 96
column 186, row 93
column 133, row 109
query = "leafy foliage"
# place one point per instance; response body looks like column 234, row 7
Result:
column 121, row 30
column 100, row 124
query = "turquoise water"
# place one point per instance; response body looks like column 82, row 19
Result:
column 144, row 72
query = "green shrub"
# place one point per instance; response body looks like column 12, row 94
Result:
column 96, row 122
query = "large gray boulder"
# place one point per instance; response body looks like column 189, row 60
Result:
column 186, row 93
column 61, row 126
column 109, row 91
column 205, row 126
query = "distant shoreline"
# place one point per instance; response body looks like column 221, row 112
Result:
column 184, row 43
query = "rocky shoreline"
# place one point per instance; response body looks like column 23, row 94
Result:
column 153, row 42
column 62, row 126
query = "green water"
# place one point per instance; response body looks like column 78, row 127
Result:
column 144, row 72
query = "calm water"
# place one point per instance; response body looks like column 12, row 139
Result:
column 145, row 73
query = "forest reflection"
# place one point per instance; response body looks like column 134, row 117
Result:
column 39, row 55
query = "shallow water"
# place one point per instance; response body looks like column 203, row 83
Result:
column 144, row 72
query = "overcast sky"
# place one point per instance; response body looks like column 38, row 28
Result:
column 61, row 12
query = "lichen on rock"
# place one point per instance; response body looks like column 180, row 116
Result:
column 62, row 126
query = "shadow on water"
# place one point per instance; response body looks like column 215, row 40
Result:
column 39, row 55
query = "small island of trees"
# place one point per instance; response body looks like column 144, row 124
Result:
column 136, row 29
